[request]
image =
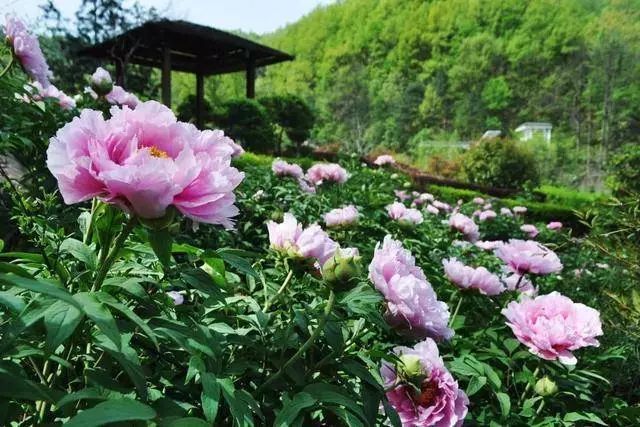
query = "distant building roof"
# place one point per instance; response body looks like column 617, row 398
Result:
column 490, row 134
column 534, row 125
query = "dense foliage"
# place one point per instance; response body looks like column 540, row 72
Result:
column 624, row 170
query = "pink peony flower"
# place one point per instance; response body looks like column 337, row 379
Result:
column 409, row 216
column 487, row 206
column 282, row 168
column 341, row 217
column 119, row 96
column 527, row 256
column 554, row 225
column 422, row 198
column 441, row 205
column 487, row 215
column 412, row 304
column 290, row 239
column 506, row 212
column 432, row 210
column 435, row 400
column 519, row 210
column 401, row 195
column 64, row 101
column 520, row 283
column 327, row 172
column 553, row 326
column 26, row 49
column 466, row 277
column 144, row 161
column 530, row 229
column 306, row 187
column 465, row 225
column 384, row 159
column 177, row 297
column 478, row 201
column 489, row 245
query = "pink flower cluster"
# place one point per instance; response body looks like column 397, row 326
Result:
column 553, row 326
column 281, row 168
column 341, row 217
column 412, row 304
column 467, row 277
column 144, row 161
column 408, row 216
column 291, row 240
column 527, row 256
column 436, row 400
column 27, row 49
column 384, row 159
column 327, row 172
column 464, row 225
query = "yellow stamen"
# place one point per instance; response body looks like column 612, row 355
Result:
column 156, row 152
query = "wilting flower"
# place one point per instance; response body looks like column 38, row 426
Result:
column 327, row 172
column 341, row 217
column 519, row 210
column 404, row 215
column 530, row 229
column 466, row 277
column 520, row 283
column 506, row 212
column 421, row 389
column 554, row 225
column 412, row 304
column 282, row 168
column 553, row 326
column 26, row 48
column 384, row 159
column 101, row 82
column 487, row 215
column 489, row 245
column 465, row 225
column 527, row 256
column 432, row 210
column 65, row 101
column 119, row 96
column 291, row 240
column 176, row 297
column 478, row 200
column 144, row 161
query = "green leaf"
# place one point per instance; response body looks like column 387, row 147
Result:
column 292, row 408
column 112, row 302
column 5, row 267
column 235, row 259
column 60, row 320
column 11, row 301
column 80, row 251
column 131, row 286
column 84, row 394
column 215, row 268
column 160, row 241
column 475, row 384
column 573, row 417
column 505, row 403
column 186, row 422
column 327, row 393
column 100, row 315
column 238, row 408
column 112, row 411
column 210, row 396
column 16, row 387
column 39, row 286
column 492, row 376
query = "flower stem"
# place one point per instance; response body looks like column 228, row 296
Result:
column 455, row 312
column 280, row 291
column 89, row 232
column 113, row 253
column 528, row 386
column 7, row 67
column 308, row 343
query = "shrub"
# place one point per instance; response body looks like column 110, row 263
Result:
column 500, row 163
column 294, row 117
column 187, row 110
column 624, row 170
column 247, row 122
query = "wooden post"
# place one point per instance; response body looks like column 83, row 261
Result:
column 166, row 76
column 120, row 72
column 251, row 77
column 199, row 100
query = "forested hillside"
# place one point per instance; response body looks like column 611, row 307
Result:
column 397, row 72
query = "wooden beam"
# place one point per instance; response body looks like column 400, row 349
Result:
column 166, row 76
column 199, row 100
column 120, row 72
column 251, row 77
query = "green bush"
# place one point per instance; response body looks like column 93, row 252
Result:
column 292, row 115
column 500, row 163
column 624, row 170
column 187, row 110
column 247, row 122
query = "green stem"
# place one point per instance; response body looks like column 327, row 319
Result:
column 8, row 66
column 455, row 312
column 540, row 407
column 113, row 253
column 280, row 291
column 528, row 386
column 88, row 234
column 308, row 343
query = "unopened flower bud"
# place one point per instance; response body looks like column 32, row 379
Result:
column 343, row 266
column 407, row 184
column 101, row 82
column 395, row 176
column 546, row 387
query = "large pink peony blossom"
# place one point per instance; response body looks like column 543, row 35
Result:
column 412, row 304
column 465, row 225
column 466, row 277
column 290, row 239
column 340, row 217
column 384, row 159
column 27, row 49
column 527, row 256
column 553, row 326
column 144, row 160
column 436, row 399
column 399, row 212
column 327, row 172
column 282, row 168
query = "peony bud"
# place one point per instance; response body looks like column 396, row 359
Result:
column 101, row 82
column 395, row 176
column 546, row 387
column 410, row 368
column 343, row 266
column 406, row 184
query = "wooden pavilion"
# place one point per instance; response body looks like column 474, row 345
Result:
column 188, row 47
